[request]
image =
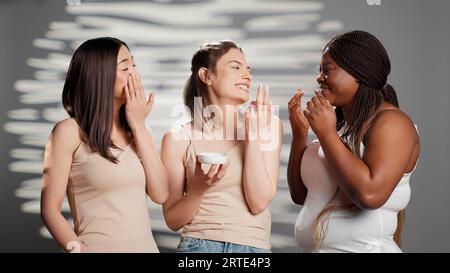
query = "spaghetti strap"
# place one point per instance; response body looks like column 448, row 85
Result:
column 185, row 130
column 196, row 151
column 234, row 146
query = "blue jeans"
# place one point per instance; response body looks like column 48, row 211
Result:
column 194, row 245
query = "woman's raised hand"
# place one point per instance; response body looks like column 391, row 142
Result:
column 299, row 123
column 258, row 117
column 137, row 106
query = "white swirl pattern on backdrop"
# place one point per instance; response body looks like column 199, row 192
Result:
column 281, row 39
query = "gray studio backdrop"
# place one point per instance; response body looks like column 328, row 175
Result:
column 282, row 40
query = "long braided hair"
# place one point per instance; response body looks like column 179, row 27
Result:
column 363, row 56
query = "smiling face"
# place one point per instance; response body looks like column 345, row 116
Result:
column 125, row 67
column 230, row 81
column 336, row 84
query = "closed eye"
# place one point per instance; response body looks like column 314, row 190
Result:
column 126, row 69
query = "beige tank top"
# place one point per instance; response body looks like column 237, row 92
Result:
column 108, row 201
column 223, row 214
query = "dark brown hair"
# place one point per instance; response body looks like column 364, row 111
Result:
column 206, row 56
column 88, row 93
column 364, row 57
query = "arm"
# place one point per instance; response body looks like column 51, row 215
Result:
column 60, row 147
column 300, row 127
column 181, row 207
column 390, row 143
column 261, row 169
column 370, row 182
column 137, row 109
column 261, row 159
column 156, row 177
column 296, row 187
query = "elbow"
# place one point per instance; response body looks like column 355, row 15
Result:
column 258, row 204
column 47, row 211
column 370, row 201
column 42, row 208
column 160, row 199
column 170, row 222
column 258, row 207
column 298, row 195
column 297, row 190
column 49, row 216
column 256, row 210
column 258, row 201
column 298, row 200
column 173, row 227
column 164, row 196
column 43, row 216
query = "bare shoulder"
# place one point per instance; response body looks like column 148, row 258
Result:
column 393, row 118
column 66, row 132
column 175, row 141
column 66, row 127
column 393, row 122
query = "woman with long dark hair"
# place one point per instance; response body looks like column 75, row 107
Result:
column 222, row 206
column 353, row 180
column 103, row 156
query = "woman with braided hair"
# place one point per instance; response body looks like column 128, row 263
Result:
column 353, row 180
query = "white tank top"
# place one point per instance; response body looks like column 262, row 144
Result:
column 347, row 231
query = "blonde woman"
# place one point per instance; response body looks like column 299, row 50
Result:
column 222, row 207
